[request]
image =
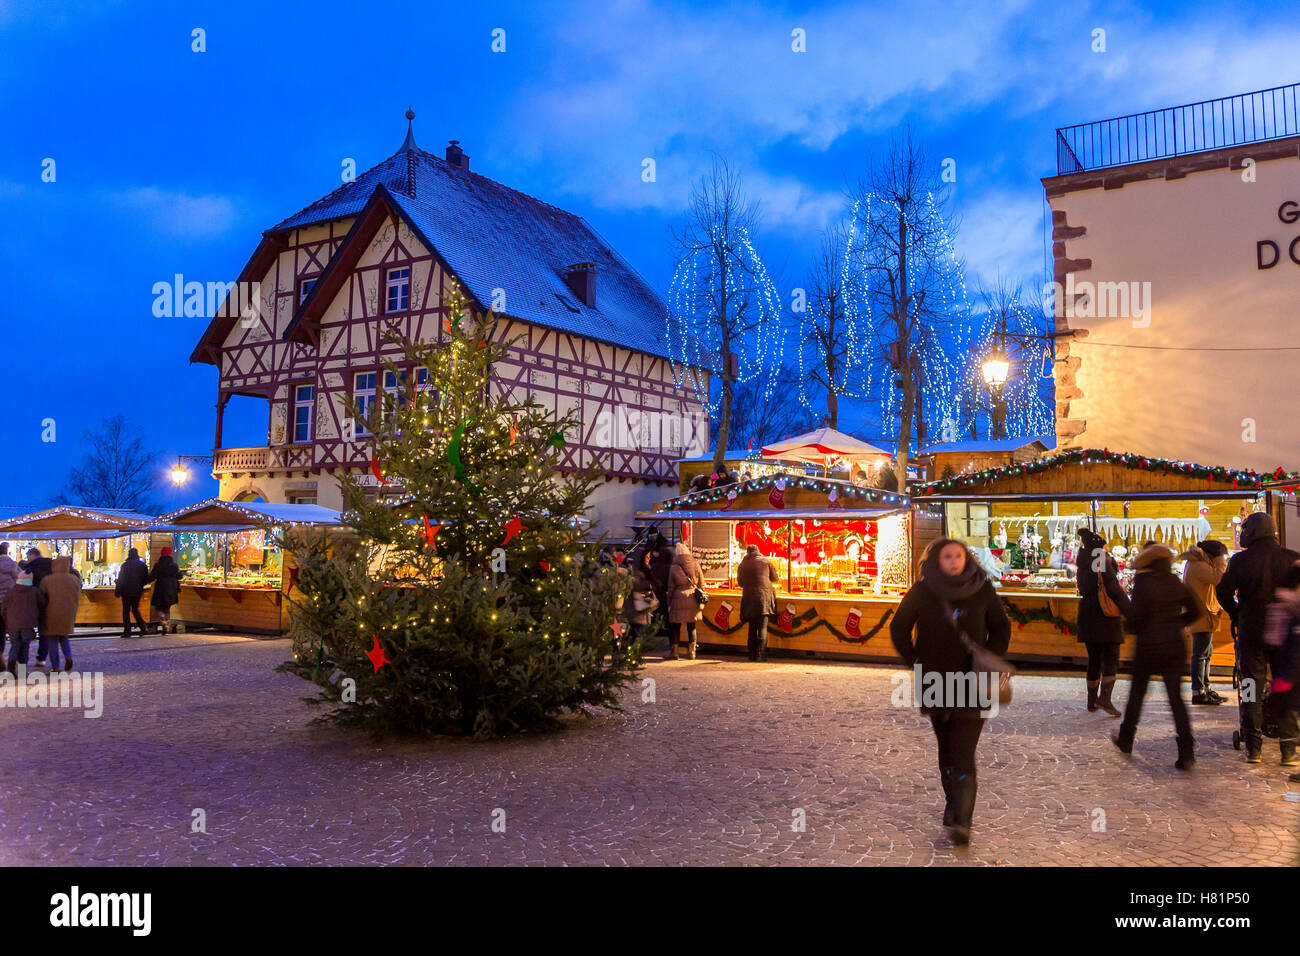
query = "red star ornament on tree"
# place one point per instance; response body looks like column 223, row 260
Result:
column 376, row 655
column 429, row 531
column 514, row 527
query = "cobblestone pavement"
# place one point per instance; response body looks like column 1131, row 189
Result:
column 713, row 772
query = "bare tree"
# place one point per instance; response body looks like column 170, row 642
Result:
column 826, row 340
column 723, row 303
column 755, row 423
column 910, row 285
column 115, row 472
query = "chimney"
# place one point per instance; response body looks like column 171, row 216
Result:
column 456, row 156
column 581, row 278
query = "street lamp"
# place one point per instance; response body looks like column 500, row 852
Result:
column 996, row 368
column 181, row 474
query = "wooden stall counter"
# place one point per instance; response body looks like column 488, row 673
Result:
column 100, row 607
column 257, row 610
column 856, row 626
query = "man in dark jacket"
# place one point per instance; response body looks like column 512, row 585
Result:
column 131, row 580
column 1161, row 607
column 23, row 609
column 1245, row 591
column 756, row 576
column 39, row 567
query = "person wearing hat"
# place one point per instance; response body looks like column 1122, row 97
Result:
column 1206, row 563
column 166, row 577
column 1245, row 592
column 1161, row 607
column 1097, row 571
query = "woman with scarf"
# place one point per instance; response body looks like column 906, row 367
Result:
column 952, row 597
column 1100, row 633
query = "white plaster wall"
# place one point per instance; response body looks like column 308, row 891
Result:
column 1194, row 241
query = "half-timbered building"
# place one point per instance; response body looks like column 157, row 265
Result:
column 384, row 252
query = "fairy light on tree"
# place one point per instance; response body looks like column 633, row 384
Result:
column 724, row 310
column 907, row 300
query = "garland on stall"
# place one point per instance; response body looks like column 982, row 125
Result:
column 844, row 490
column 1088, row 456
column 1037, row 614
column 814, row 621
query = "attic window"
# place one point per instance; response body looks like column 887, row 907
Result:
column 399, row 290
column 304, row 288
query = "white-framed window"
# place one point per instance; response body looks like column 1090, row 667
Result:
column 363, row 393
column 399, row 290
column 304, row 401
column 302, row 498
column 304, row 288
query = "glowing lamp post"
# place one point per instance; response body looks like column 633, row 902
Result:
column 996, row 368
column 179, row 473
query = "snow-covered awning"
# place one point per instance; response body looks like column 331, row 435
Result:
column 213, row 514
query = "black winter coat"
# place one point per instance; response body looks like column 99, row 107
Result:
column 937, row 646
column 39, row 567
column 132, row 578
column 1162, row 607
column 1246, row 588
column 1095, row 627
column 166, row 577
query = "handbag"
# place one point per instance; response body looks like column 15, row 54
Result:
column 701, row 597
column 984, row 660
column 1107, row 603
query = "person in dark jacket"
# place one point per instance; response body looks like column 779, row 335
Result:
column 23, row 609
column 39, row 567
column 661, row 562
column 952, row 597
column 166, row 578
column 1245, row 592
column 131, row 579
column 1100, row 634
column 1285, row 694
column 756, row 576
column 639, row 608
column 1161, row 609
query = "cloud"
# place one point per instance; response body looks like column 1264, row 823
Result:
column 180, row 214
column 1001, row 236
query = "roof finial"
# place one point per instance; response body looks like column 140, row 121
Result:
column 410, row 130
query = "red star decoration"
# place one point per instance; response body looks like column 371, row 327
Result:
column 293, row 578
column 514, row 430
column 429, row 531
column 544, row 565
column 514, row 527
column 617, row 628
column 376, row 655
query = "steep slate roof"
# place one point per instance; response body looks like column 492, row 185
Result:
column 494, row 237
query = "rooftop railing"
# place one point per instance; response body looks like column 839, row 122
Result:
column 1179, row 130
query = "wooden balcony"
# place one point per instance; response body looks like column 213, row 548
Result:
column 262, row 460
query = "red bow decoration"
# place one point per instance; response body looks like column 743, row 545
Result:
column 374, row 470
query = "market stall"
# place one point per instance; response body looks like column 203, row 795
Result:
column 97, row 540
column 1021, row 520
column 844, row 555
column 234, row 567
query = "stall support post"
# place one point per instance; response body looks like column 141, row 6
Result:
column 789, row 565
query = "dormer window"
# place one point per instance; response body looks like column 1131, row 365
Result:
column 304, row 288
column 399, row 290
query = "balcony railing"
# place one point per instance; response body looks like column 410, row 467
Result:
column 1179, row 130
column 274, row 458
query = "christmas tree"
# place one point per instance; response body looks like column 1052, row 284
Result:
column 462, row 599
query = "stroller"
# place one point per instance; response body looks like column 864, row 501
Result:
column 1270, row 720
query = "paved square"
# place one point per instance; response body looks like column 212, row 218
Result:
column 713, row 772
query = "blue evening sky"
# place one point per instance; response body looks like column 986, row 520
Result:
column 171, row 161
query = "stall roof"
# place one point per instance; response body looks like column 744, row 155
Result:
column 792, row 514
column 213, row 514
column 75, row 521
column 1045, row 443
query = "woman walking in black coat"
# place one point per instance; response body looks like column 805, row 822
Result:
column 952, row 597
column 1162, row 607
column 166, row 577
column 1099, row 632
